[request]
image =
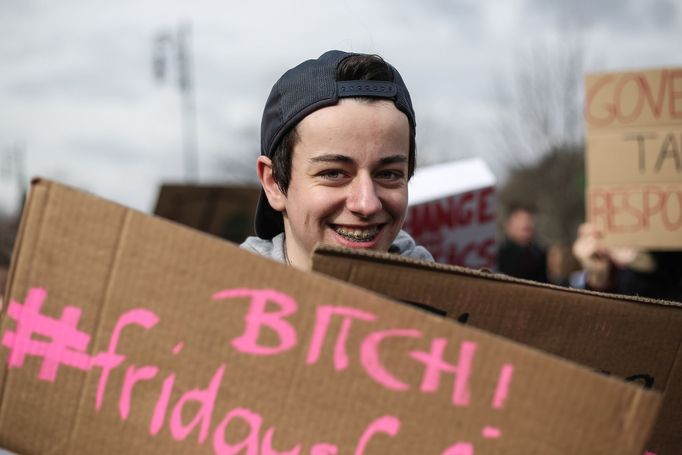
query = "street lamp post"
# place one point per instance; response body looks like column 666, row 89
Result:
column 176, row 48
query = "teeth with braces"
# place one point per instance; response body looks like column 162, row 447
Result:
column 358, row 235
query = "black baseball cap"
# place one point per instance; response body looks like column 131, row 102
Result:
column 302, row 90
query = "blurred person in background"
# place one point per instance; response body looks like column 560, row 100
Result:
column 337, row 151
column 625, row 270
column 519, row 255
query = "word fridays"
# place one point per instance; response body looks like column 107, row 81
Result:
column 67, row 346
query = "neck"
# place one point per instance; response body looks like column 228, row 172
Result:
column 294, row 257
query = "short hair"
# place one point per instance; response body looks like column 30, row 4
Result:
column 521, row 207
column 359, row 67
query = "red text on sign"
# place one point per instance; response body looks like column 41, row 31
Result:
column 630, row 96
column 636, row 209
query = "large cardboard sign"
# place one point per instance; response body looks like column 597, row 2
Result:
column 634, row 156
column 639, row 340
column 225, row 211
column 125, row 333
column 452, row 212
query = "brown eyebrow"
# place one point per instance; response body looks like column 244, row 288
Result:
column 330, row 158
column 393, row 159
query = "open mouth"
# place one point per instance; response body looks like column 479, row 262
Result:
column 357, row 235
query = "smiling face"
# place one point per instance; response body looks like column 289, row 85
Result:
column 348, row 182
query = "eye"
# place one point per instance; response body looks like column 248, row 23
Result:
column 390, row 175
column 331, row 174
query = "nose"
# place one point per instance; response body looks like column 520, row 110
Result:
column 362, row 198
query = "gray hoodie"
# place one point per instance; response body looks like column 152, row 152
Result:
column 403, row 245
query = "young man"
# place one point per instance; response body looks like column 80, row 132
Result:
column 338, row 148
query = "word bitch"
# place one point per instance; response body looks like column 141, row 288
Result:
column 61, row 344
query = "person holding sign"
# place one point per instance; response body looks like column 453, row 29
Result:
column 337, row 151
column 625, row 270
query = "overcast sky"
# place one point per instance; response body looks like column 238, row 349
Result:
column 78, row 96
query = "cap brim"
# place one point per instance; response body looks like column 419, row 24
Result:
column 269, row 222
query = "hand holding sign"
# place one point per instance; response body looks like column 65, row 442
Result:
column 598, row 260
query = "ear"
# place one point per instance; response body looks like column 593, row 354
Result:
column 276, row 198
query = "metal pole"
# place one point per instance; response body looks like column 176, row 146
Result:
column 186, row 87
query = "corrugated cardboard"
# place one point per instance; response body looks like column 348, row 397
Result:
column 634, row 156
column 627, row 337
column 225, row 211
column 164, row 340
column 452, row 212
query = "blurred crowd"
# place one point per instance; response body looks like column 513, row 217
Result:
column 589, row 263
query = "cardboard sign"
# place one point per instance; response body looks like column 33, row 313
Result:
column 125, row 333
column 639, row 340
column 225, row 211
column 452, row 212
column 634, row 157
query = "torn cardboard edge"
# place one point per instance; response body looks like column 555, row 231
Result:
column 612, row 334
column 394, row 259
column 622, row 400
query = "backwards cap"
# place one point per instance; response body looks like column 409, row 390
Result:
column 302, row 90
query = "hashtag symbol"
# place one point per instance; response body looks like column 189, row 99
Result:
column 66, row 345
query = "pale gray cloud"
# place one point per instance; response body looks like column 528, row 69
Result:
column 76, row 83
column 622, row 14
